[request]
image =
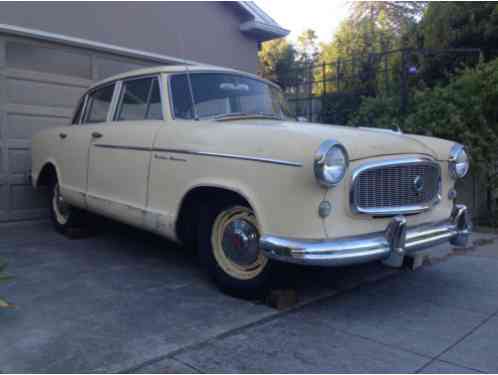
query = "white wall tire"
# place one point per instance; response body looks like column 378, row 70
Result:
column 229, row 249
column 235, row 243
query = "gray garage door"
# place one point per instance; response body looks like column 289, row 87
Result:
column 39, row 86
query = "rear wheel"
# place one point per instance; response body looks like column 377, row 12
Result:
column 229, row 249
column 63, row 215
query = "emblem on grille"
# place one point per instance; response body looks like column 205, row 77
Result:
column 418, row 184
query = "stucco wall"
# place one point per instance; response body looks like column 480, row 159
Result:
column 209, row 30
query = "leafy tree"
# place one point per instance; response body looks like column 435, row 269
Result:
column 307, row 46
column 373, row 27
column 278, row 58
column 456, row 25
column 461, row 25
column 395, row 16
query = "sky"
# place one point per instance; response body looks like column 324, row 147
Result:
column 320, row 15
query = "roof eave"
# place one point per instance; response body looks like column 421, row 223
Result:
column 263, row 31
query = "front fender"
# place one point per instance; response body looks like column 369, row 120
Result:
column 226, row 184
column 39, row 167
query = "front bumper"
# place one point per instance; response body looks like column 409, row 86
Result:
column 397, row 238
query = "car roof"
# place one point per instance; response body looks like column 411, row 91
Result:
column 176, row 69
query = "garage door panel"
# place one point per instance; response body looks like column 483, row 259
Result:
column 42, row 94
column 4, row 204
column 23, row 197
column 19, row 161
column 22, row 127
column 28, row 56
column 40, row 84
column 4, row 200
column 56, row 112
column 26, row 75
column 3, row 164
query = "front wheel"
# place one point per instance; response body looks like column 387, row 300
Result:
column 63, row 215
column 229, row 249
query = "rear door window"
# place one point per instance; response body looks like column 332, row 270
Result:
column 99, row 102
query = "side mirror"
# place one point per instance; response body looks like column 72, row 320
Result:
column 301, row 119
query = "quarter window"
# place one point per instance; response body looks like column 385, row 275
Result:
column 140, row 100
column 98, row 105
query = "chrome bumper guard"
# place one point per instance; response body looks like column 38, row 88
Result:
column 397, row 238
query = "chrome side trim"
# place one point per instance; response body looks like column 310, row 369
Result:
column 397, row 238
column 231, row 156
column 119, row 147
column 391, row 210
column 381, row 130
column 202, row 153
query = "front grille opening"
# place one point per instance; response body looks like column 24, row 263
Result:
column 391, row 215
column 394, row 187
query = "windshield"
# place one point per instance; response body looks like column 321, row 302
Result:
column 222, row 95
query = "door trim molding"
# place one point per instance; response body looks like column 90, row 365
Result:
column 203, row 153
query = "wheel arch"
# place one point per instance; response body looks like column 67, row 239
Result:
column 188, row 209
column 47, row 172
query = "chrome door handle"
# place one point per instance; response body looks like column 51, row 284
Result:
column 96, row 135
column 62, row 135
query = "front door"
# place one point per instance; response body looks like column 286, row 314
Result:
column 120, row 152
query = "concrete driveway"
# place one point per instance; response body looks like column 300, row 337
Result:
column 126, row 301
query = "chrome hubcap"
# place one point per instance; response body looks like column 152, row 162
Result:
column 241, row 242
column 235, row 242
column 61, row 208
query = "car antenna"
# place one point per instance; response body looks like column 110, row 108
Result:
column 189, row 80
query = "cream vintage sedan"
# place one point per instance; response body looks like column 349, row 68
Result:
column 208, row 156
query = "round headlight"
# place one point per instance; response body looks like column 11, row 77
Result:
column 458, row 161
column 331, row 163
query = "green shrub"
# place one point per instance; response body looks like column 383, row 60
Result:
column 465, row 110
column 4, row 278
column 339, row 107
column 380, row 112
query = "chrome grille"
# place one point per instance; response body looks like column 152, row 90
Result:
column 390, row 187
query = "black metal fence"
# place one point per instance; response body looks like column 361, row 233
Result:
column 330, row 92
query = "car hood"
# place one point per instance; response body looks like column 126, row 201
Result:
column 299, row 141
column 362, row 143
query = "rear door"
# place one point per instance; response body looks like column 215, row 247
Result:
column 72, row 157
column 90, row 116
column 120, row 152
column 76, row 140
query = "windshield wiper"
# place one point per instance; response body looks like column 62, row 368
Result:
column 247, row 114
